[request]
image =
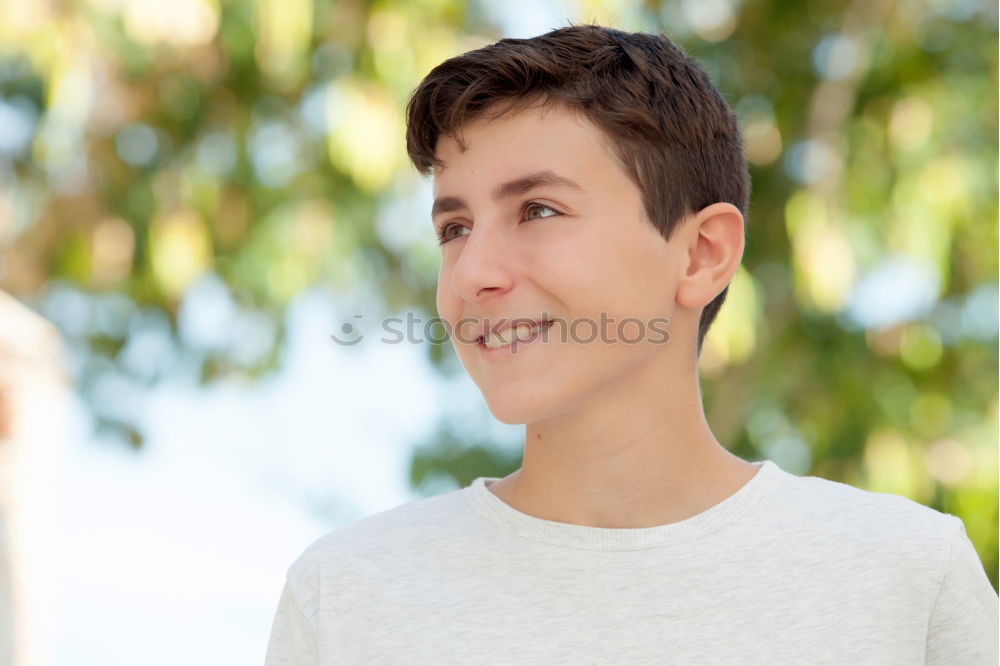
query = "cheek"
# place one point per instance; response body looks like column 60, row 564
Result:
column 445, row 297
column 442, row 307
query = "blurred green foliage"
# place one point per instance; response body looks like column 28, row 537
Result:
column 255, row 149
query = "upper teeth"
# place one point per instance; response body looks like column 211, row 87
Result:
column 519, row 332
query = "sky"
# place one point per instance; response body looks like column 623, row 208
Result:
column 185, row 544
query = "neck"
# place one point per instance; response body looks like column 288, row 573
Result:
column 634, row 456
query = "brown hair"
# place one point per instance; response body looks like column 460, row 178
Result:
column 672, row 130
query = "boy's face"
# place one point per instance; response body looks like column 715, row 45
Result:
column 576, row 248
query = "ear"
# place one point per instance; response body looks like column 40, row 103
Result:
column 712, row 242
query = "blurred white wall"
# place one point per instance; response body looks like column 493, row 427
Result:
column 34, row 392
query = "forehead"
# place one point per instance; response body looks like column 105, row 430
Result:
column 526, row 140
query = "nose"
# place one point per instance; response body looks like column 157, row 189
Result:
column 483, row 267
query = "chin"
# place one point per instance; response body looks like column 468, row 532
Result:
column 513, row 416
column 518, row 410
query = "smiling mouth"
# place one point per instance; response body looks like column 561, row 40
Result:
column 519, row 333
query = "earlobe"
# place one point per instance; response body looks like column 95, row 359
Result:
column 714, row 243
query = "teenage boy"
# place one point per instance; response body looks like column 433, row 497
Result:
column 591, row 175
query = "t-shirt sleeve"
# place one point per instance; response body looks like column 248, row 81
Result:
column 963, row 623
column 293, row 640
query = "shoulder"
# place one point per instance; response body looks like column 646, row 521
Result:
column 854, row 520
column 852, row 505
column 362, row 547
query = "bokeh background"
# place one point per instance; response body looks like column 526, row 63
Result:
column 195, row 195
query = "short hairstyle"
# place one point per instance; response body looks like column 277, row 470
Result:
column 676, row 136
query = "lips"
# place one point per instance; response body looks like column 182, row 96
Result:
column 511, row 323
column 509, row 332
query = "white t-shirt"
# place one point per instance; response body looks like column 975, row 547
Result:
column 787, row 570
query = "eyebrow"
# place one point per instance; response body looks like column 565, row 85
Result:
column 509, row 189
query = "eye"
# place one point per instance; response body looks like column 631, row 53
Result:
column 445, row 232
column 530, row 211
column 533, row 206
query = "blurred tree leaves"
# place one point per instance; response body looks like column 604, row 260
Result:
column 245, row 151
